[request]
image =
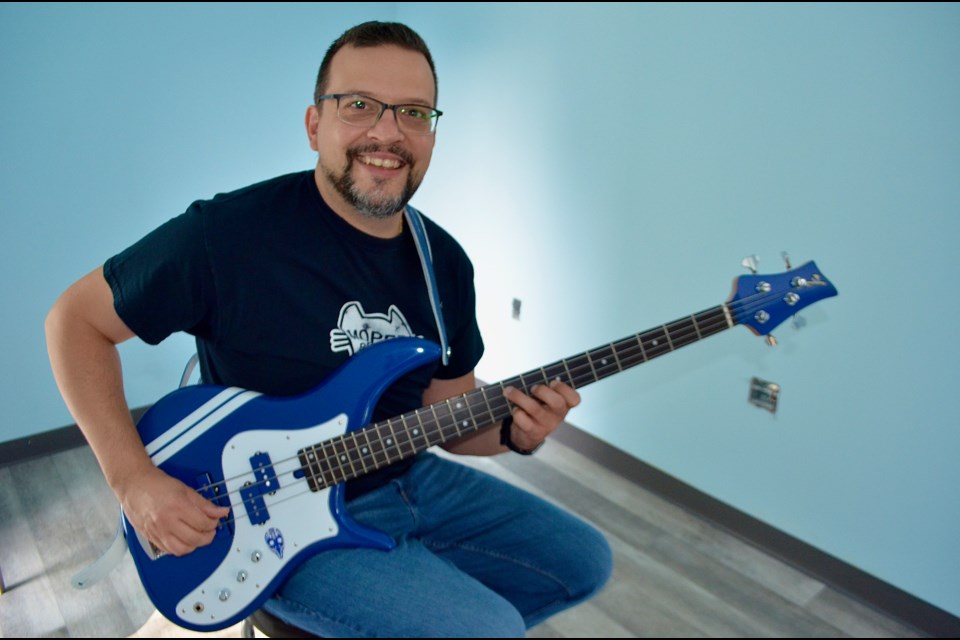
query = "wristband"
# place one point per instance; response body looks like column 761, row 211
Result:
column 507, row 441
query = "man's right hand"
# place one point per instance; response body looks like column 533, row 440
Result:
column 174, row 517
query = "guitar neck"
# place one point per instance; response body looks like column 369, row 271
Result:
column 359, row 452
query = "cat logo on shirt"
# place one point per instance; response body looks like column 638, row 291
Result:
column 357, row 329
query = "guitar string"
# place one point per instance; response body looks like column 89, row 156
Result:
column 632, row 355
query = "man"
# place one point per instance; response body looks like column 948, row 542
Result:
column 280, row 283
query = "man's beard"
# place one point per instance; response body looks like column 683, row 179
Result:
column 376, row 206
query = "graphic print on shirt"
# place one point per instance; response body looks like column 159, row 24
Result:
column 357, row 329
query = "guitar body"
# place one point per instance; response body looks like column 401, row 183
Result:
column 240, row 449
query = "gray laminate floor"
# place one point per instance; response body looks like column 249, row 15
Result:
column 675, row 575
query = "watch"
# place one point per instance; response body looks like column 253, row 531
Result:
column 507, row 441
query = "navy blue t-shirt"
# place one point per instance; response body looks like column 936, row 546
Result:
column 279, row 291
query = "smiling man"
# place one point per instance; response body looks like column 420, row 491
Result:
column 369, row 170
column 281, row 282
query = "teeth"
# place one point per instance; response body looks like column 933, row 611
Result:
column 378, row 162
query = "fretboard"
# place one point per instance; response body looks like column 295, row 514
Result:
column 378, row 445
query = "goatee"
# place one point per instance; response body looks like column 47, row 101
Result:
column 373, row 204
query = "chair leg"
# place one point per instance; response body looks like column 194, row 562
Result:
column 247, row 630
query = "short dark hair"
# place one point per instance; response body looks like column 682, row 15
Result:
column 374, row 34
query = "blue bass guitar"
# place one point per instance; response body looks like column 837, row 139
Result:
column 279, row 464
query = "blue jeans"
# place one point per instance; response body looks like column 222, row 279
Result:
column 475, row 556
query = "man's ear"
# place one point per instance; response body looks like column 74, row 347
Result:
column 312, row 122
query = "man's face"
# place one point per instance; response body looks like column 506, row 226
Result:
column 372, row 171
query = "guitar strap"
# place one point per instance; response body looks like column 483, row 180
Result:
column 100, row 567
column 426, row 261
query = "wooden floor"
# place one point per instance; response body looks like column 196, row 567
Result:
column 675, row 575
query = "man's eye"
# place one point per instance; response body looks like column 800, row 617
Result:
column 415, row 113
column 358, row 105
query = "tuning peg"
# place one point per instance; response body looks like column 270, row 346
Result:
column 786, row 259
column 771, row 340
column 750, row 262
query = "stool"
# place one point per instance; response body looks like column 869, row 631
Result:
column 270, row 626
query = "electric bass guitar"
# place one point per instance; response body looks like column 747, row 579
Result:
column 279, row 464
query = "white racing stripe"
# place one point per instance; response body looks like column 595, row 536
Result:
column 197, row 423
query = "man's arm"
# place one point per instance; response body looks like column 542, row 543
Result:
column 82, row 331
column 536, row 416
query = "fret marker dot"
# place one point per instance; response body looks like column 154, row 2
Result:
column 343, row 458
column 654, row 343
column 416, row 432
column 390, row 441
column 365, row 451
column 459, row 405
column 464, row 423
column 604, row 361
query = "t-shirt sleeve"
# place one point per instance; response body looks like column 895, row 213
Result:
column 163, row 283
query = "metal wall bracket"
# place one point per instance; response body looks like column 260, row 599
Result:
column 764, row 394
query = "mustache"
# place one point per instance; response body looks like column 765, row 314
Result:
column 354, row 152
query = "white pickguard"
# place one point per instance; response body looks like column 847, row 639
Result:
column 302, row 517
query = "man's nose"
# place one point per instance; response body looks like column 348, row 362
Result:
column 387, row 128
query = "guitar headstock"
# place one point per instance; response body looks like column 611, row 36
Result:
column 762, row 302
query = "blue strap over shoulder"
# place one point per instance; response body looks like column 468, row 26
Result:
column 426, row 261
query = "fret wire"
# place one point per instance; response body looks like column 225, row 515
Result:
column 592, row 369
column 310, row 454
column 391, row 444
column 365, row 445
column 421, row 413
column 456, row 420
column 469, row 422
column 417, row 429
column 343, row 454
column 643, row 352
column 666, row 333
column 499, row 402
column 616, row 357
column 680, row 334
column 391, row 441
column 695, row 327
column 604, row 370
column 375, row 438
column 483, row 392
column 570, row 379
column 544, row 376
column 440, row 425
column 329, row 475
column 337, row 470
column 577, row 367
column 523, row 384
column 354, row 450
column 403, row 439
column 466, row 403
column 552, row 372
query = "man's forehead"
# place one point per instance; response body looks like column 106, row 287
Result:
column 387, row 72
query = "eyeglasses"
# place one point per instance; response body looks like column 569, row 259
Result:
column 363, row 111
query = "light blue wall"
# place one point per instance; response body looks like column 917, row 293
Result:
column 609, row 166
column 114, row 118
